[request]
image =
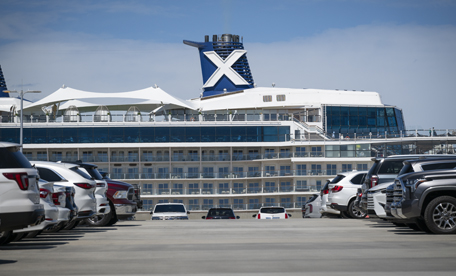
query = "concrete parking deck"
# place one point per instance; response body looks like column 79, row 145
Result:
column 234, row 247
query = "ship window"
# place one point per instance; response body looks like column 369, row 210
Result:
column 267, row 98
column 280, row 98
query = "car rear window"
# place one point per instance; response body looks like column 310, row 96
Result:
column 439, row 166
column 221, row 212
column 358, row 179
column 169, row 209
column 276, row 210
column 94, row 173
column 12, row 158
column 337, row 179
column 81, row 173
column 48, row 175
column 390, row 167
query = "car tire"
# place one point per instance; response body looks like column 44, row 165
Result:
column 99, row 220
column 352, row 212
column 440, row 215
column 33, row 234
column 345, row 215
column 4, row 237
column 71, row 225
column 19, row 236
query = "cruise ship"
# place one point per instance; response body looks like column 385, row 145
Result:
column 233, row 145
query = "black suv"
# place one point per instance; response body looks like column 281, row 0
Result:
column 384, row 170
column 429, row 198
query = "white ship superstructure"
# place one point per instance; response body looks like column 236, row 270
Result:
column 236, row 145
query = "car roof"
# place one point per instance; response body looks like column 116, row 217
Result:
column 8, row 145
column 405, row 156
column 351, row 172
column 434, row 173
column 54, row 164
column 435, row 159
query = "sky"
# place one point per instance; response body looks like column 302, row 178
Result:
column 403, row 49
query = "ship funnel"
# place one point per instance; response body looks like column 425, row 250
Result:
column 3, row 85
column 224, row 64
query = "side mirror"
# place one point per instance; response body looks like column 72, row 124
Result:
column 203, row 217
column 151, row 212
column 238, row 217
column 289, row 215
column 188, row 212
column 254, row 216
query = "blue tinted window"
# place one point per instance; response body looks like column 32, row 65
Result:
column 69, row 135
column 207, row 134
column 192, row 134
column 147, row 134
column 85, row 135
column 177, row 134
column 223, row 134
column 344, row 111
column 161, row 134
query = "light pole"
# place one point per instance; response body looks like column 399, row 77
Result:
column 22, row 92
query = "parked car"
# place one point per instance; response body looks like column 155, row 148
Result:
column 272, row 213
column 220, row 213
column 122, row 198
column 66, row 174
column 324, row 210
column 382, row 174
column 169, row 211
column 419, row 165
column 429, row 198
column 342, row 193
column 312, row 207
column 104, row 213
column 19, row 192
column 50, row 210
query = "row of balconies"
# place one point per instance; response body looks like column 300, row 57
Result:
column 228, row 191
column 187, row 158
column 233, row 175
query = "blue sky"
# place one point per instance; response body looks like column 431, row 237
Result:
column 403, row 49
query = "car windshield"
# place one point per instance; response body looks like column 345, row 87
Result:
column 220, row 213
column 169, row 208
column 276, row 210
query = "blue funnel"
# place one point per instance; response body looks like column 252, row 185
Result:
column 224, row 64
column 3, row 85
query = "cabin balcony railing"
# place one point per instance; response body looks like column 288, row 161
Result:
column 229, row 191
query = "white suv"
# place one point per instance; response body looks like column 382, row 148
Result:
column 19, row 193
column 272, row 213
column 169, row 211
column 67, row 174
column 342, row 193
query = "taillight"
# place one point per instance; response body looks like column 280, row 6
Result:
column 101, row 185
column 286, row 215
column 44, row 193
column 310, row 208
column 59, row 198
column 337, row 189
column 84, row 185
column 374, row 181
column 259, row 216
column 325, row 192
column 232, row 218
column 20, row 178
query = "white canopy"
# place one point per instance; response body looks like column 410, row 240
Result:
column 148, row 99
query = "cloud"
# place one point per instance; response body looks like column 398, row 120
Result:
column 412, row 67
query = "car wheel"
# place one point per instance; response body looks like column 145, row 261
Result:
column 33, row 234
column 344, row 214
column 99, row 220
column 71, row 225
column 440, row 215
column 19, row 236
column 353, row 212
column 4, row 236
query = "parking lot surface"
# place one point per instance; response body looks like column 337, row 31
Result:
column 234, row 247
